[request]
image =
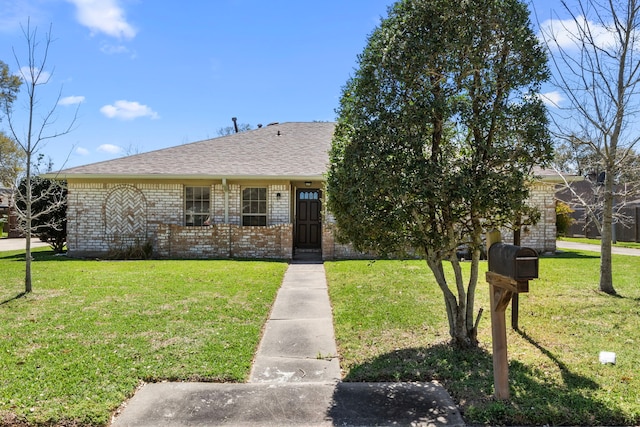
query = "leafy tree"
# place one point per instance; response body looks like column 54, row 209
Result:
column 594, row 54
column 10, row 154
column 11, row 160
column 563, row 218
column 437, row 133
column 39, row 129
column 9, row 85
column 48, row 210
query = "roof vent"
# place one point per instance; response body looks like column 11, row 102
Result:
column 273, row 123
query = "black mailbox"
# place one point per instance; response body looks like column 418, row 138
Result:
column 513, row 261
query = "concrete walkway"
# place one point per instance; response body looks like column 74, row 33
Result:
column 295, row 380
column 298, row 344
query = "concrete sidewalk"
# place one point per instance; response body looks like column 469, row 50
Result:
column 18, row 244
column 561, row 244
column 295, row 379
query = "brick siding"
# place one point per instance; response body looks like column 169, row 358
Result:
column 225, row 241
column 542, row 236
column 96, row 225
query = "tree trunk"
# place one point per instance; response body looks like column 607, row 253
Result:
column 461, row 329
column 27, row 255
column 606, row 279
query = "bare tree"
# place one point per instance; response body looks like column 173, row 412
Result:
column 577, row 158
column 597, row 70
column 39, row 127
column 230, row 130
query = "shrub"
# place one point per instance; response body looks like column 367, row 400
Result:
column 139, row 250
column 563, row 218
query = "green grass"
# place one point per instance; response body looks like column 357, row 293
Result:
column 632, row 245
column 391, row 326
column 91, row 331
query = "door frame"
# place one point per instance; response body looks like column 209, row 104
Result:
column 296, row 244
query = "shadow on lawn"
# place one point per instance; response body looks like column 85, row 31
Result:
column 536, row 398
column 7, row 301
column 38, row 255
column 571, row 254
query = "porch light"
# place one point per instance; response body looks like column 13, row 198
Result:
column 307, row 183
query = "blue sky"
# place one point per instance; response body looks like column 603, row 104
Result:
column 153, row 74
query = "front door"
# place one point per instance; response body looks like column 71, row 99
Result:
column 308, row 223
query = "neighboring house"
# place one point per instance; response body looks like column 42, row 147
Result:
column 254, row 194
column 5, row 197
column 627, row 229
column 7, row 212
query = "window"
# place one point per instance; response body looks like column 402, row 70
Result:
column 197, row 200
column 309, row 195
column 254, row 206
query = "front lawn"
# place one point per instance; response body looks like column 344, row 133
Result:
column 391, row 326
column 92, row 331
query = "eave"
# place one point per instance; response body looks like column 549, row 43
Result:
column 150, row 177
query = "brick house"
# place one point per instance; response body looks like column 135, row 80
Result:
column 254, row 194
column 7, row 211
column 5, row 206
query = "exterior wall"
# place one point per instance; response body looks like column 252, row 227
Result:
column 225, row 241
column 332, row 250
column 542, row 236
column 104, row 217
column 279, row 207
column 93, row 227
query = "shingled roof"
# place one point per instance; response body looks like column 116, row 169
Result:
column 295, row 151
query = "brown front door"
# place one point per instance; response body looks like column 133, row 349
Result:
column 308, row 224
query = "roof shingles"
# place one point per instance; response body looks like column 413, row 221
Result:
column 287, row 150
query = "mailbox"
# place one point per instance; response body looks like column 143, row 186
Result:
column 513, row 261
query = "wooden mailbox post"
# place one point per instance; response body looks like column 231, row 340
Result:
column 510, row 269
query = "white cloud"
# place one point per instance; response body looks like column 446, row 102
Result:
column 110, row 49
column 128, row 110
column 564, row 33
column 71, row 100
column 552, row 99
column 30, row 74
column 82, row 151
column 110, row 148
column 104, row 16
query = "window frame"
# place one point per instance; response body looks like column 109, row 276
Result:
column 255, row 204
column 201, row 216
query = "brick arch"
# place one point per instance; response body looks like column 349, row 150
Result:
column 125, row 214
